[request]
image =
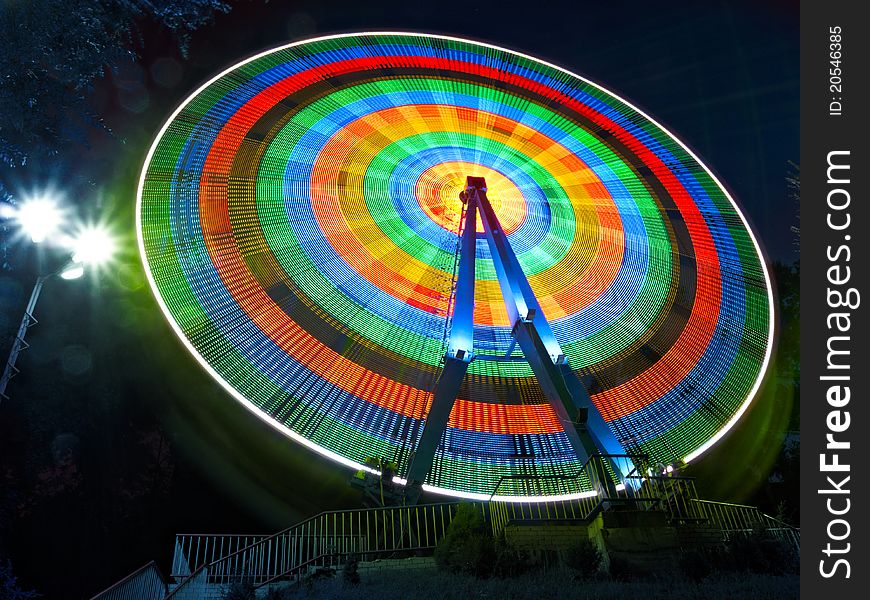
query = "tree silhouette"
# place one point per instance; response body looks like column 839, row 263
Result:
column 53, row 53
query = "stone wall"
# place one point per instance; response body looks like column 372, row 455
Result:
column 378, row 568
column 640, row 540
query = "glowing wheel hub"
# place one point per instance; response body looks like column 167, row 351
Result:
column 438, row 190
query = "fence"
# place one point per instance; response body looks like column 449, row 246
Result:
column 146, row 583
column 626, row 480
column 325, row 540
column 193, row 551
column 603, row 481
column 739, row 519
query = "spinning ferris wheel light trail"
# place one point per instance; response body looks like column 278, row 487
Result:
column 297, row 219
column 587, row 432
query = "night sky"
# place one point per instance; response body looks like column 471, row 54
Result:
column 106, row 384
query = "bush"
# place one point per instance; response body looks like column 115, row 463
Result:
column 583, row 557
column 240, row 591
column 466, row 546
column 759, row 553
column 474, row 554
column 754, row 553
column 622, row 569
column 278, row 594
column 350, row 570
column 467, row 521
column 510, row 561
column 696, row 565
column 9, row 589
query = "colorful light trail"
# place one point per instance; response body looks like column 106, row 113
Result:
column 298, row 215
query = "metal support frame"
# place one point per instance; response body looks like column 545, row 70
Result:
column 460, row 352
column 18, row 344
column 586, row 429
column 27, row 321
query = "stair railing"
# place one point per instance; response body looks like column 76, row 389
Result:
column 367, row 533
column 145, row 583
column 578, row 496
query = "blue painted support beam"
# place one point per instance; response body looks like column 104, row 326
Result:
column 460, row 352
column 462, row 324
column 443, row 399
column 600, row 431
column 499, row 358
column 510, row 350
column 523, row 303
column 572, row 418
column 585, row 427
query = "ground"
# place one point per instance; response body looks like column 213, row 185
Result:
column 435, row 585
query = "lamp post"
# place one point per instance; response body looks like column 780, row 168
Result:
column 39, row 219
column 72, row 270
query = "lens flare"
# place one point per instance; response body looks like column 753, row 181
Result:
column 39, row 218
column 93, row 246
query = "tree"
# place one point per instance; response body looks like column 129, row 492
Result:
column 9, row 588
column 53, row 53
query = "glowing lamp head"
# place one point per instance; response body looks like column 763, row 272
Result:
column 39, row 218
column 73, row 270
column 93, row 246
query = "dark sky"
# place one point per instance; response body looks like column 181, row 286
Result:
column 722, row 76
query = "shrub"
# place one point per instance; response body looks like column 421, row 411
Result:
column 754, row 553
column 696, row 565
column 9, row 589
column 278, row 594
column 510, row 561
column 467, row 521
column 622, row 569
column 240, row 591
column 583, row 557
column 466, row 546
column 473, row 554
column 759, row 553
column 350, row 570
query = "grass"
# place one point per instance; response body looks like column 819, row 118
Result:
column 540, row 585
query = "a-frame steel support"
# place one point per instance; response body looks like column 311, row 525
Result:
column 586, row 429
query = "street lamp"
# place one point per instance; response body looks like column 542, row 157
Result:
column 92, row 246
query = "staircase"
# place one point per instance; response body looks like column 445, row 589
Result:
column 323, row 541
column 204, row 565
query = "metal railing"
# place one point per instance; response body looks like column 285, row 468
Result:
column 193, row 551
column 321, row 541
column 739, row 519
column 677, row 496
column 145, row 583
column 207, row 562
column 504, row 513
column 594, row 488
column 602, row 481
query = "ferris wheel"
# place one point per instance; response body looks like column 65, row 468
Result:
column 467, row 261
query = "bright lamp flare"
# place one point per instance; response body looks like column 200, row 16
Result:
column 93, row 246
column 39, row 219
